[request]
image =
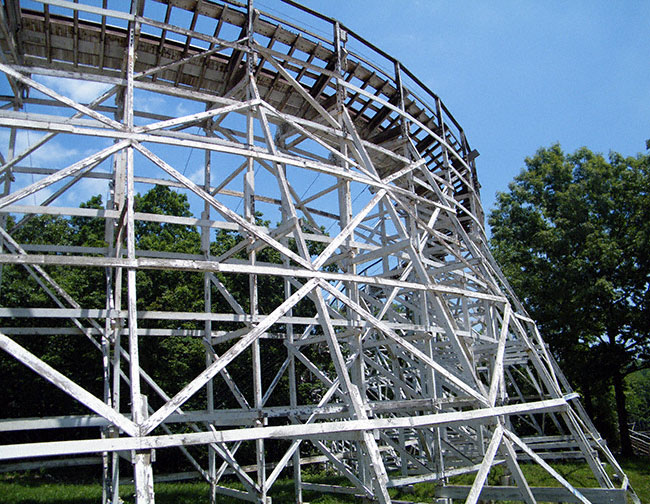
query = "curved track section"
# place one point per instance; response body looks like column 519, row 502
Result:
column 348, row 310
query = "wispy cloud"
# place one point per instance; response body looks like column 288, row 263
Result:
column 197, row 176
column 23, row 180
column 57, row 153
column 51, row 154
column 182, row 109
column 78, row 90
column 83, row 190
column 154, row 104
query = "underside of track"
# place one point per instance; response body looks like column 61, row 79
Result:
column 376, row 336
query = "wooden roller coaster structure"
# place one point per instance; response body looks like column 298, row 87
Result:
column 434, row 367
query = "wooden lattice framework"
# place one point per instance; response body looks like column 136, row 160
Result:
column 436, row 371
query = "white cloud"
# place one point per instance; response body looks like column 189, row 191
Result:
column 154, row 104
column 51, row 154
column 54, row 154
column 78, row 90
column 23, row 180
column 197, row 176
column 83, row 190
column 182, row 110
column 79, row 193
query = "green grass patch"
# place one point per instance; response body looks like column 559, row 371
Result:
column 638, row 470
column 40, row 488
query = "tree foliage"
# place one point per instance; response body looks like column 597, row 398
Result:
column 171, row 361
column 638, row 399
column 572, row 236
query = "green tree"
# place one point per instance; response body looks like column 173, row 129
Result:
column 638, row 399
column 23, row 394
column 171, row 361
column 572, row 236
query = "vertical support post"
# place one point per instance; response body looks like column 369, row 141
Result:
column 249, row 215
column 142, row 459
column 109, row 337
column 293, row 394
column 207, row 302
column 115, row 300
column 291, row 370
column 345, row 215
column 143, row 472
column 134, row 374
column 397, row 396
column 433, row 388
column 114, row 325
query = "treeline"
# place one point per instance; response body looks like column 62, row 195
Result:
column 572, row 234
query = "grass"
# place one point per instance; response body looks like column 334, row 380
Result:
column 638, row 470
column 40, row 488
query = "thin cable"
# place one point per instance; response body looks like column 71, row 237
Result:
column 310, row 185
column 189, row 155
column 353, row 200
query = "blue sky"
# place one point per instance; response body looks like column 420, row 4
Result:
column 519, row 75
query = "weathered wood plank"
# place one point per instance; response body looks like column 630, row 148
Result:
column 342, row 428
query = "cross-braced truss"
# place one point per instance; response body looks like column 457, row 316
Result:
column 421, row 363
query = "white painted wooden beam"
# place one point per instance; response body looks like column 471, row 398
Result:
column 342, row 428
